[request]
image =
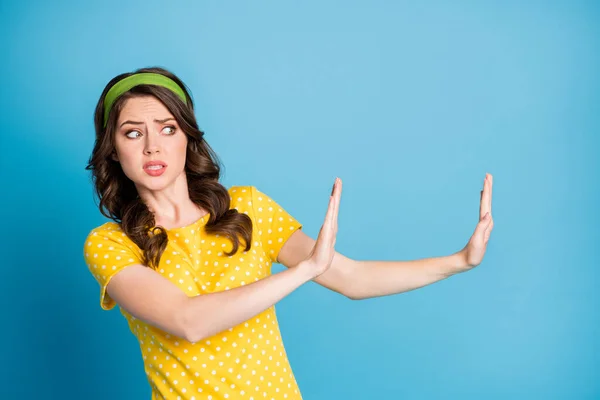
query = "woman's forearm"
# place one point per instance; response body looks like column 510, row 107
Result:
column 209, row 314
column 382, row 278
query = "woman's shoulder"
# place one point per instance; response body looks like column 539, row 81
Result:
column 244, row 196
column 109, row 231
column 240, row 190
column 107, row 228
column 241, row 197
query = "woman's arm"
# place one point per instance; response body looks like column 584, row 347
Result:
column 359, row 280
column 149, row 296
column 382, row 278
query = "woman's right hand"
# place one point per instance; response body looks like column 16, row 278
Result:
column 320, row 258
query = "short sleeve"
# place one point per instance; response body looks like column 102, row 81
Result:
column 106, row 252
column 274, row 224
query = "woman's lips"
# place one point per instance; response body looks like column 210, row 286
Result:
column 155, row 170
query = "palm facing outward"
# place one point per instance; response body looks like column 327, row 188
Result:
column 320, row 258
column 474, row 251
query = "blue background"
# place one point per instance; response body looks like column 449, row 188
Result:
column 409, row 103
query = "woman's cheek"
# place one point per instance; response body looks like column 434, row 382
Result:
column 132, row 172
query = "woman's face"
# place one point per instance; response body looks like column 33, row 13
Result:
column 146, row 131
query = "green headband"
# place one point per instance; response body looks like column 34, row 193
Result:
column 143, row 78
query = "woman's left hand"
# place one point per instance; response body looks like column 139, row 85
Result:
column 474, row 251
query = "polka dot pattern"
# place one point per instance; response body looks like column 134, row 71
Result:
column 247, row 361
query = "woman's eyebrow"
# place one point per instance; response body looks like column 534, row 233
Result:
column 160, row 121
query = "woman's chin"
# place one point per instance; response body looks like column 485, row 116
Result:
column 153, row 184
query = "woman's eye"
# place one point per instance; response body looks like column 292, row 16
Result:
column 128, row 134
column 172, row 129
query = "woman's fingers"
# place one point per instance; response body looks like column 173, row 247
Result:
column 334, row 201
column 485, row 202
column 326, row 228
column 480, row 205
column 326, row 238
column 491, row 179
column 481, row 227
column 337, row 193
column 325, row 225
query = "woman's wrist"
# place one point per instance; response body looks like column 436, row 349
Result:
column 305, row 271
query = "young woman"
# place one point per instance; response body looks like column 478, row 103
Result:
column 189, row 261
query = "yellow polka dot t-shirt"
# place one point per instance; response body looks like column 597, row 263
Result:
column 247, row 361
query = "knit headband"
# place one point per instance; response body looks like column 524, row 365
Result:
column 143, row 78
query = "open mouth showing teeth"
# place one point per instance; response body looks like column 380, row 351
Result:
column 154, row 167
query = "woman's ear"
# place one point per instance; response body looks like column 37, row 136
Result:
column 114, row 156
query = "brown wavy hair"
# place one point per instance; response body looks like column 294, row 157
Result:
column 119, row 199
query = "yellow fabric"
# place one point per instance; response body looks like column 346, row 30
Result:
column 247, row 361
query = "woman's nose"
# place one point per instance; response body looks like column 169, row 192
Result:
column 152, row 143
column 150, row 150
